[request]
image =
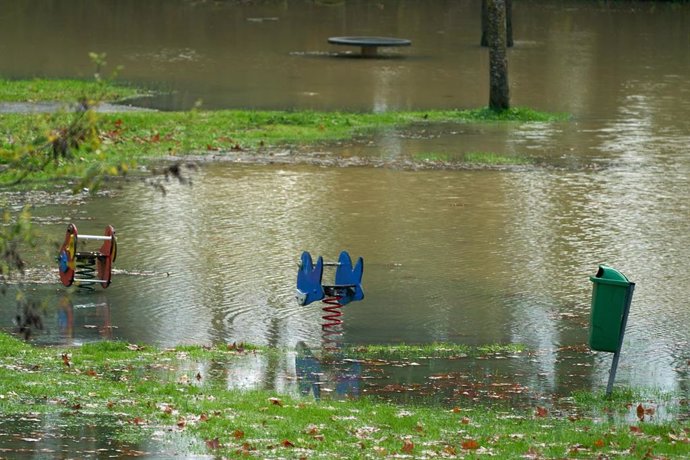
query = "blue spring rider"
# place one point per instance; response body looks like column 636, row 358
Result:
column 348, row 280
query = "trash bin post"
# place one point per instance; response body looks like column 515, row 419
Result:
column 617, row 354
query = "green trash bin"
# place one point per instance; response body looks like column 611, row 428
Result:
column 611, row 297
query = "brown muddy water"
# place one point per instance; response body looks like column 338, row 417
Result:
column 468, row 256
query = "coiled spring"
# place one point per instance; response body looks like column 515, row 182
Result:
column 331, row 328
column 86, row 270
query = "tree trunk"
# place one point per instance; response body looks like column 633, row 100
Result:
column 499, row 94
column 485, row 23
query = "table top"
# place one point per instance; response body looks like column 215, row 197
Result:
column 369, row 41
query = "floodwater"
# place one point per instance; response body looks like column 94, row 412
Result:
column 472, row 256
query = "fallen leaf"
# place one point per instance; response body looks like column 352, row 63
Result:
column 635, row 429
column 470, row 444
column 181, row 422
column 541, row 411
column 66, row 360
column 640, row 411
column 213, row 443
column 456, row 410
column 465, row 421
column 198, row 376
column 312, row 430
column 408, row 446
column 599, row 443
column 276, row 402
column 238, row 434
column 287, row 443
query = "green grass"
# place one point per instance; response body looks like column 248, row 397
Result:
column 137, row 390
column 131, row 138
column 63, row 90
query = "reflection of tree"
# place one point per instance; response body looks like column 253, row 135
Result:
column 28, row 318
column 272, row 368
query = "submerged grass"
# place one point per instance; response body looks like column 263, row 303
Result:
column 477, row 158
column 122, row 383
column 489, row 158
column 430, row 351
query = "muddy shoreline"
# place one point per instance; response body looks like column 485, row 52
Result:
column 324, row 158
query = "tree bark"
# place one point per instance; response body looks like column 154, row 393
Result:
column 499, row 94
column 485, row 23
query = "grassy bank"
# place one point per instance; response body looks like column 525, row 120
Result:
column 129, row 138
column 38, row 147
column 138, row 390
column 63, row 90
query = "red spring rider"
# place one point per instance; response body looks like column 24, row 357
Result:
column 86, row 268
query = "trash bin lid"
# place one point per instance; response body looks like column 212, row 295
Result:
column 608, row 275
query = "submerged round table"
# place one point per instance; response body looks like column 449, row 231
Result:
column 369, row 45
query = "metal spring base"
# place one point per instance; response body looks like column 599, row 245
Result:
column 86, row 272
column 332, row 330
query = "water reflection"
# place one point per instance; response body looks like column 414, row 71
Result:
column 500, row 379
column 93, row 314
column 71, row 317
column 57, row 436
